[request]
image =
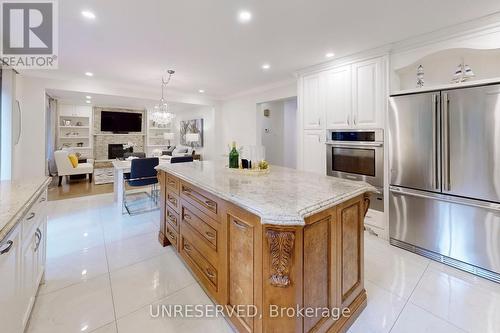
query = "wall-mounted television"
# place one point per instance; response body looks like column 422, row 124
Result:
column 121, row 122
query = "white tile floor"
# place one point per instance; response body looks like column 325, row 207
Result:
column 104, row 269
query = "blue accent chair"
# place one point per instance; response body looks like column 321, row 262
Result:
column 142, row 173
column 181, row 159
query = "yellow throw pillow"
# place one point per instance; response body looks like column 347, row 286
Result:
column 73, row 159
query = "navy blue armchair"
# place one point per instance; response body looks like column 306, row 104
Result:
column 142, row 173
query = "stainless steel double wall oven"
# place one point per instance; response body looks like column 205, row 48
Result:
column 358, row 155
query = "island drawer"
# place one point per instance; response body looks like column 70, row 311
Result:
column 173, row 201
column 173, row 184
column 205, row 271
column 172, row 236
column 199, row 242
column 202, row 200
column 203, row 225
column 172, row 218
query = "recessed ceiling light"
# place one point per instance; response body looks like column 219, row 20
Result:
column 244, row 16
column 201, row 91
column 88, row 102
column 329, row 55
column 266, row 67
column 89, row 74
column 88, row 97
column 88, row 15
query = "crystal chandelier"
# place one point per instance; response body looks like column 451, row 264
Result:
column 160, row 114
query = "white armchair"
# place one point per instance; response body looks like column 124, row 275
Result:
column 65, row 168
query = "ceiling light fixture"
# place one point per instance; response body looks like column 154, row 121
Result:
column 160, row 114
column 244, row 16
column 88, row 97
column 88, row 15
column 89, row 74
column 88, row 102
column 201, row 91
column 266, row 67
column 329, row 55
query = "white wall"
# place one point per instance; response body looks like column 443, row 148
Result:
column 278, row 132
column 207, row 113
column 272, row 131
column 29, row 154
column 6, row 121
column 290, row 132
column 236, row 117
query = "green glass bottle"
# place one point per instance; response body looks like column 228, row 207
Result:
column 234, row 161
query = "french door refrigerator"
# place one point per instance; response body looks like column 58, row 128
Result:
column 444, row 162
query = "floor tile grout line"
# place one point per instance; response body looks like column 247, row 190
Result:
column 437, row 316
column 409, row 296
column 109, row 276
column 158, row 300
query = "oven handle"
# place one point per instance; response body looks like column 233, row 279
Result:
column 354, row 144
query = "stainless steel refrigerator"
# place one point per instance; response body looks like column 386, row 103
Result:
column 444, row 160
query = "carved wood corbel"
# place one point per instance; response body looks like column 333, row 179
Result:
column 366, row 201
column 280, row 247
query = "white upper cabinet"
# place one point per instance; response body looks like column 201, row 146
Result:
column 312, row 109
column 368, row 87
column 338, row 97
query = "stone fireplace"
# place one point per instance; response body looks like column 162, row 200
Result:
column 108, row 145
column 115, row 150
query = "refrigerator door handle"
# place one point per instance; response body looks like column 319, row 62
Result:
column 435, row 133
column 446, row 142
column 445, row 198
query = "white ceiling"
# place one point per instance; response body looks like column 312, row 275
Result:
column 134, row 42
column 79, row 98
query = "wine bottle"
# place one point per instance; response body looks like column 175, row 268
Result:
column 234, row 157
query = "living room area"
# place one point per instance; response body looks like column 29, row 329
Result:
column 91, row 139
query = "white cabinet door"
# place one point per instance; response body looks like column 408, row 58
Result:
column 66, row 110
column 367, row 89
column 29, row 272
column 312, row 110
column 314, row 152
column 10, row 277
column 338, row 97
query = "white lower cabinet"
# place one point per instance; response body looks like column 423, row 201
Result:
column 11, row 279
column 314, row 151
column 22, row 264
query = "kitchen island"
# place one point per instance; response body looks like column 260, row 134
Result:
column 288, row 245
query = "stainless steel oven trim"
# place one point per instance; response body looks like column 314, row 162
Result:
column 377, row 180
column 350, row 144
column 379, row 133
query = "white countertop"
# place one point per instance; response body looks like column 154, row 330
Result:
column 283, row 196
column 16, row 197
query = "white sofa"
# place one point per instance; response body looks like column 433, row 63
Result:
column 182, row 151
column 65, row 168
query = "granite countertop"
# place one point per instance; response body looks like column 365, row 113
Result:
column 16, row 196
column 282, row 197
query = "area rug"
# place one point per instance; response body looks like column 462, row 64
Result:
column 103, row 176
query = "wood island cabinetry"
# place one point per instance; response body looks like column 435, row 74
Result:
column 238, row 260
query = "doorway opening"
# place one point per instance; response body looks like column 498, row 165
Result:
column 277, row 126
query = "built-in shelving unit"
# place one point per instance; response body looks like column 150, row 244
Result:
column 154, row 136
column 74, row 124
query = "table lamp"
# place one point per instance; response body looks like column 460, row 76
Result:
column 168, row 137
